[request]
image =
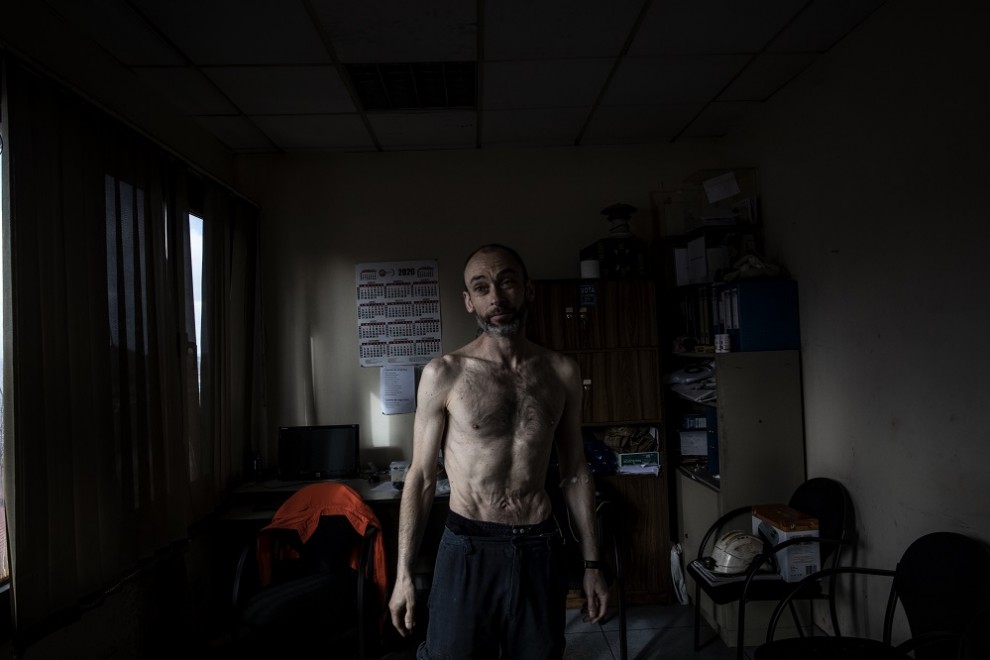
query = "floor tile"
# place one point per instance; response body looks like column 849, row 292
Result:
column 652, row 632
column 587, row 646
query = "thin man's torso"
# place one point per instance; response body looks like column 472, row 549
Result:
column 500, row 430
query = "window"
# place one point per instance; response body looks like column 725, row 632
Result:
column 4, row 564
column 196, row 263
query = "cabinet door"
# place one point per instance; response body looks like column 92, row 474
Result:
column 624, row 316
column 590, row 314
column 699, row 508
column 552, row 318
column 639, row 514
column 760, row 426
column 620, row 386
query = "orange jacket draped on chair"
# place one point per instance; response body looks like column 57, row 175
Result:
column 302, row 512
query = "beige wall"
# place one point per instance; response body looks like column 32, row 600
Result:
column 322, row 215
column 874, row 178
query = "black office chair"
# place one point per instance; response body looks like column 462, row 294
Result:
column 820, row 497
column 940, row 581
column 290, row 596
column 610, row 549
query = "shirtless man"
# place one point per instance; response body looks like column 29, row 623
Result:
column 496, row 407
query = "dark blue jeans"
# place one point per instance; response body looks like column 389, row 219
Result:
column 497, row 596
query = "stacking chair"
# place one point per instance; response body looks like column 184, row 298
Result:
column 313, row 578
column 821, row 497
column 939, row 583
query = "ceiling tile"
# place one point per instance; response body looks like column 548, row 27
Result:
column 711, row 26
column 642, row 123
column 316, row 132
column 527, row 30
column 120, row 31
column 445, row 129
column 389, row 31
column 674, row 79
column 188, row 90
column 765, row 75
column 542, row 69
column 221, row 32
column 543, row 83
column 283, row 90
column 535, row 127
column 822, row 24
column 237, row 132
column 717, row 118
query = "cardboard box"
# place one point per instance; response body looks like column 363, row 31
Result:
column 779, row 523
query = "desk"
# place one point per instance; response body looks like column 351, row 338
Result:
column 253, row 505
column 258, row 500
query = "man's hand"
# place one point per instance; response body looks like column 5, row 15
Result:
column 596, row 592
column 403, row 607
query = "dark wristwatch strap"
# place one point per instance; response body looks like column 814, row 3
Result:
column 592, row 564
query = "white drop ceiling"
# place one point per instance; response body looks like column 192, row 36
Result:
column 270, row 75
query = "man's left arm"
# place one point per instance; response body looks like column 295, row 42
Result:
column 578, row 488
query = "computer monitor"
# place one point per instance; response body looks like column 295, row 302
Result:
column 319, row 452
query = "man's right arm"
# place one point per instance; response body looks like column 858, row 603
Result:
column 418, row 489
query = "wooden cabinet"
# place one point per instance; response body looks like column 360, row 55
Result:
column 610, row 328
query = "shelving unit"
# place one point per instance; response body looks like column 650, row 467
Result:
column 755, row 452
column 610, row 327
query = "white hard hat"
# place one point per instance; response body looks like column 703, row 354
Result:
column 735, row 551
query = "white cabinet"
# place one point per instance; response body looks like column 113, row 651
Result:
column 760, row 427
column 761, row 459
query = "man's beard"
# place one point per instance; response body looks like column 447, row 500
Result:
column 516, row 326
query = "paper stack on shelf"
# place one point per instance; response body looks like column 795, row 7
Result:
column 639, row 469
column 700, row 392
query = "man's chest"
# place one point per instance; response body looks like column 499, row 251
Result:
column 497, row 404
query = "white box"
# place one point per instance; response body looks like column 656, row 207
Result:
column 779, row 523
column 397, row 472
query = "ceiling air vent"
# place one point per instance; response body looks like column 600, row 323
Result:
column 414, row 85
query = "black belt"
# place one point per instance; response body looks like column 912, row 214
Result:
column 462, row 526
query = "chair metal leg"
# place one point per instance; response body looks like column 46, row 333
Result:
column 620, row 576
column 741, row 631
column 797, row 619
column 697, row 618
column 360, row 616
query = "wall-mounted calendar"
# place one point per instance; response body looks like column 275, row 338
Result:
column 398, row 305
